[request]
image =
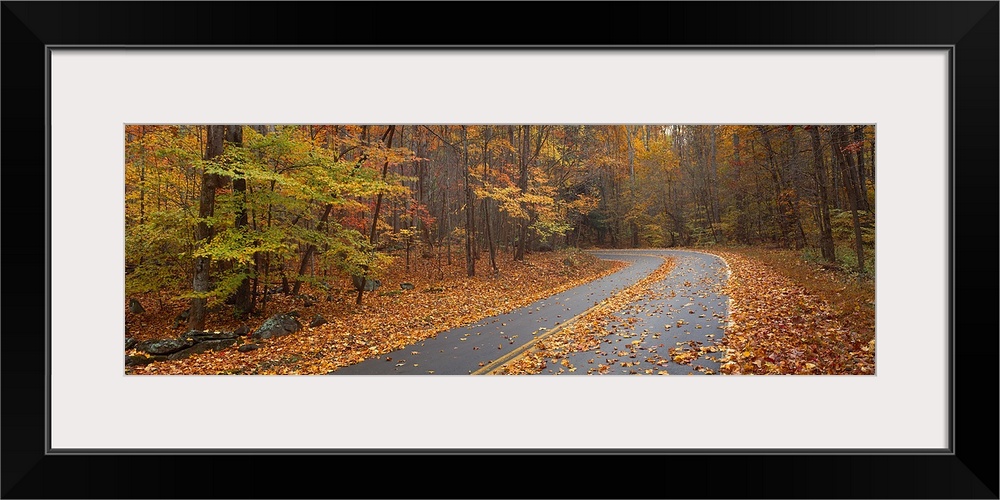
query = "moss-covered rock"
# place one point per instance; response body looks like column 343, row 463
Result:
column 277, row 326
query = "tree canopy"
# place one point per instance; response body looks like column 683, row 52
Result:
column 249, row 210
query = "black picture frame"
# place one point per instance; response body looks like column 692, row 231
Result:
column 968, row 470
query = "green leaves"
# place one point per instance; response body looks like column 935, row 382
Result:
column 294, row 195
column 239, row 245
column 154, row 251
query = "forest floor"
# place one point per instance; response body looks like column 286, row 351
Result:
column 793, row 316
column 390, row 318
column 788, row 315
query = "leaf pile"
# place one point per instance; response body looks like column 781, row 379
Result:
column 780, row 327
column 391, row 318
column 585, row 333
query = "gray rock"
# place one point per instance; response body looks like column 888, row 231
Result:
column 248, row 347
column 307, row 300
column 277, row 326
column 187, row 352
column 135, row 307
column 208, row 345
column 164, row 346
column 200, row 336
column 137, row 360
column 406, row 286
column 218, row 345
column 317, row 321
column 143, row 360
column 182, row 318
column 365, row 284
column 242, row 331
column 130, row 343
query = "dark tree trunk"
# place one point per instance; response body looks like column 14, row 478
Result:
column 825, row 227
column 142, row 175
column 373, row 235
column 470, row 219
column 522, row 184
column 781, row 201
column 203, row 233
column 859, row 140
column 713, row 190
column 489, row 238
column 847, row 169
column 837, row 192
column 486, row 206
column 243, row 305
column 310, row 250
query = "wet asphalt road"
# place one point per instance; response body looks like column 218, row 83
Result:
column 691, row 286
column 685, row 311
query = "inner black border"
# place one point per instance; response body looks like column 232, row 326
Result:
column 30, row 29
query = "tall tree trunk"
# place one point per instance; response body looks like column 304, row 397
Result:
column 630, row 149
column 242, row 306
column 422, row 188
column 203, row 233
column 713, row 191
column 373, row 235
column 522, row 184
column 489, row 237
column 780, row 200
column 837, row 191
column 142, row 174
column 819, row 169
column 742, row 229
column 859, row 140
column 446, row 216
column 258, row 261
column 470, row 219
column 310, row 251
column 486, row 203
column 387, row 140
column 847, row 167
column 871, row 164
column 793, row 164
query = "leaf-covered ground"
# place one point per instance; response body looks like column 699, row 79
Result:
column 788, row 316
column 782, row 325
column 391, row 318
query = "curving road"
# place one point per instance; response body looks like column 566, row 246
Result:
column 686, row 312
column 689, row 294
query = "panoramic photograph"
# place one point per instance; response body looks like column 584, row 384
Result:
column 499, row 249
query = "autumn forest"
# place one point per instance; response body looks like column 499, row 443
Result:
column 499, row 249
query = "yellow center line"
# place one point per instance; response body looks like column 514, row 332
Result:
column 518, row 351
column 522, row 349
